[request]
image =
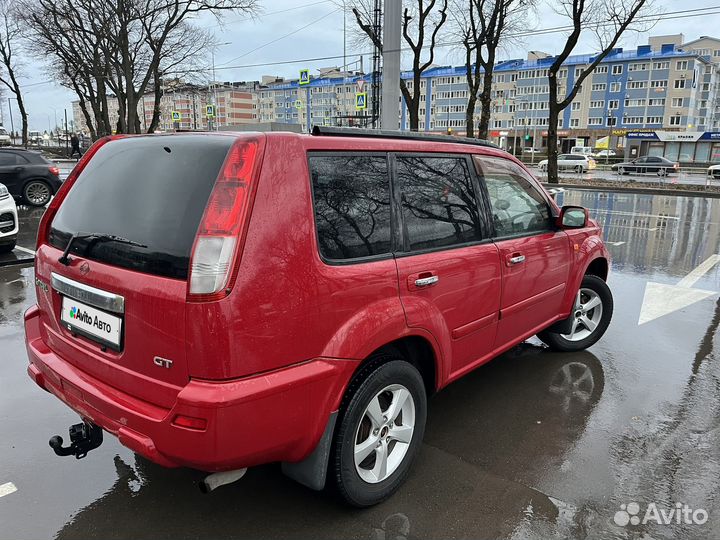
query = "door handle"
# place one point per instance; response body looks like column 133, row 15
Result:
column 516, row 259
column 427, row 281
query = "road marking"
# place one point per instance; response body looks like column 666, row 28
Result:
column 25, row 250
column 616, row 243
column 7, row 489
column 661, row 299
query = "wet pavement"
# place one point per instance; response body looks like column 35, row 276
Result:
column 533, row 445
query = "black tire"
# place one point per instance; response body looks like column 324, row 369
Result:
column 543, row 168
column 621, row 170
column 558, row 342
column 29, row 196
column 369, row 382
column 662, row 172
column 579, row 169
column 7, row 248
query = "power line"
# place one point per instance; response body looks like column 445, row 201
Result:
column 673, row 15
column 268, row 14
column 282, row 37
column 683, row 14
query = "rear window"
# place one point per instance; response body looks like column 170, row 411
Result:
column 151, row 190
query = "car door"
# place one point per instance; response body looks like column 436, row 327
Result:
column 653, row 164
column 448, row 267
column 8, row 172
column 640, row 165
column 535, row 256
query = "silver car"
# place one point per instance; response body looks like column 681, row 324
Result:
column 571, row 162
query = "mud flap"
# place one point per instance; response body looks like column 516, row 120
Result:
column 312, row 471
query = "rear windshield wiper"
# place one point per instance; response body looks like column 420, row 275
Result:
column 98, row 237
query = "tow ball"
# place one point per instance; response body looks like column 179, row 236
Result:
column 83, row 438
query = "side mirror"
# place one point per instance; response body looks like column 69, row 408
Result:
column 572, row 217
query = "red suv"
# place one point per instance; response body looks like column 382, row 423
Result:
column 219, row 301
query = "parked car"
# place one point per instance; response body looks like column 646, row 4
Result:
column 713, row 172
column 8, row 221
column 29, row 177
column 647, row 164
column 180, row 311
column 582, row 150
column 35, row 137
column 573, row 162
column 605, row 153
column 529, row 150
column 5, row 139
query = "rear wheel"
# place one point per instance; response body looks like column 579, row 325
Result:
column 37, row 193
column 591, row 317
column 662, row 172
column 380, row 431
column 543, row 168
column 578, row 168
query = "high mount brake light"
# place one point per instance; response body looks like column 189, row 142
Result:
column 217, row 244
column 44, row 228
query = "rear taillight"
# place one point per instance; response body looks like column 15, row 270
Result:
column 676, row 166
column 52, row 208
column 214, row 257
column 54, row 171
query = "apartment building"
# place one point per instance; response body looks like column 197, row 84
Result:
column 235, row 103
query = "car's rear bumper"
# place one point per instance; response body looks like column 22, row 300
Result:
column 275, row 416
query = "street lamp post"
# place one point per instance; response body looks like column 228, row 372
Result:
column 609, row 123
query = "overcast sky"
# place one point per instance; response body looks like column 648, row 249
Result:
column 318, row 27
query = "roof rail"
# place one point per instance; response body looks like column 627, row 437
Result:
column 324, row 131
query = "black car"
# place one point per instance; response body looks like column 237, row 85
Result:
column 647, row 164
column 29, row 177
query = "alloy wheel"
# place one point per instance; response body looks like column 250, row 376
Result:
column 37, row 193
column 586, row 315
column 384, row 434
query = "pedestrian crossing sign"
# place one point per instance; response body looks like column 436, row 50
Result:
column 298, row 104
column 210, row 111
column 304, row 76
column 361, row 101
column 175, row 116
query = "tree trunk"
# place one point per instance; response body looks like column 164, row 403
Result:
column 485, row 103
column 470, row 115
column 24, row 116
column 156, row 104
column 554, row 114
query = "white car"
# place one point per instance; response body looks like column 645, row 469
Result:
column 8, row 221
column 571, row 162
column 606, row 153
column 4, row 137
column 713, row 172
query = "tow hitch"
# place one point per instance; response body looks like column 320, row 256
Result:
column 83, row 438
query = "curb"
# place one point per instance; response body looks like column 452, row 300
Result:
column 644, row 191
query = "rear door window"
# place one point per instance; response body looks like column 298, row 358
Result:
column 439, row 205
column 352, row 205
column 151, row 190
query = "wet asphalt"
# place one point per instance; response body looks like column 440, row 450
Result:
column 534, row 444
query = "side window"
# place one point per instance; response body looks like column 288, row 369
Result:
column 439, row 207
column 7, row 159
column 352, row 205
column 518, row 208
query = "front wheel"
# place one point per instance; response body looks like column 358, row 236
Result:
column 621, row 170
column 590, row 317
column 380, row 432
column 579, row 169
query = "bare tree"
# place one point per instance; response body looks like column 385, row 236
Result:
column 609, row 20
column 120, row 49
column 421, row 25
column 483, row 25
column 10, row 36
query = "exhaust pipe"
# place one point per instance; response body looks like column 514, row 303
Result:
column 215, row 480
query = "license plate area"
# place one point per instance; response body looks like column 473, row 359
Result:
column 93, row 323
